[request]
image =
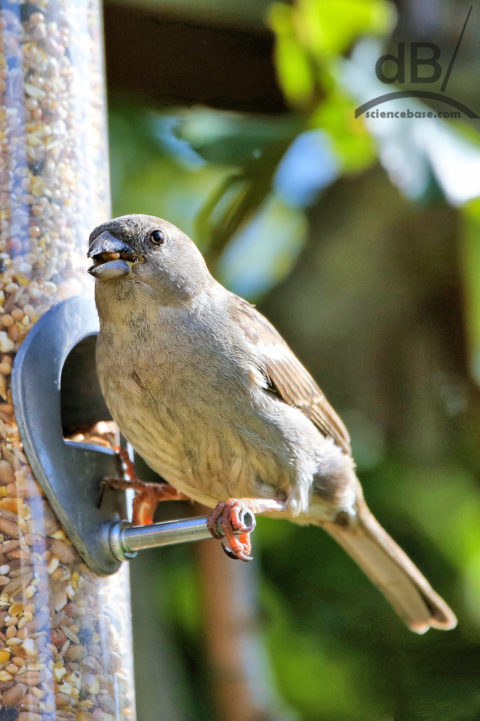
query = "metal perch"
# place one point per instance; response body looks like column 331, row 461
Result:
column 124, row 540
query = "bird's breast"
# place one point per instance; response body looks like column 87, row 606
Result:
column 193, row 411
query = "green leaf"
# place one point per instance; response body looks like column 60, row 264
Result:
column 295, row 69
column 312, row 33
column 329, row 27
column 350, row 139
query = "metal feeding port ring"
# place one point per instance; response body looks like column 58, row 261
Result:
column 55, row 385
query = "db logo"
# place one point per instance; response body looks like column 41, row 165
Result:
column 422, row 55
column 416, row 63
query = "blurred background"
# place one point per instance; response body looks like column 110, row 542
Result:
column 358, row 238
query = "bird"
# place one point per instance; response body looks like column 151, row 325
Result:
column 211, row 396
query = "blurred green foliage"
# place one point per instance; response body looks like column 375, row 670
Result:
column 225, row 163
column 337, row 650
column 311, row 36
column 470, row 260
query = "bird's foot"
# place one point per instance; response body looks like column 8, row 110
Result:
column 233, row 520
column 147, row 495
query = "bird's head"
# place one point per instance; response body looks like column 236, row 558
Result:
column 141, row 253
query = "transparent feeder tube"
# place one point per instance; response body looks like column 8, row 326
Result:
column 65, row 634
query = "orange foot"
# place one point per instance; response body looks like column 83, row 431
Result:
column 147, row 496
column 234, row 520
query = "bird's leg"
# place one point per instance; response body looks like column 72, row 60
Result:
column 147, row 495
column 234, row 520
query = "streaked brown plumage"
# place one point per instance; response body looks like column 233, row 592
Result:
column 212, row 397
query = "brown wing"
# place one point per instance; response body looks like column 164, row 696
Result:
column 287, row 376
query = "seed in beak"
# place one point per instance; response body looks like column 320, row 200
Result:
column 105, row 257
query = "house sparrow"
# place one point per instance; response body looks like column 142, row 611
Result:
column 214, row 400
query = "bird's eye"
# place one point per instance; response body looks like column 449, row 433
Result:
column 157, row 237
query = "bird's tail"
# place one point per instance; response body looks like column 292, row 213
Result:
column 392, row 571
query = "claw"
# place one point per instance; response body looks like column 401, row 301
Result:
column 213, row 520
column 229, row 552
column 147, row 496
column 234, row 521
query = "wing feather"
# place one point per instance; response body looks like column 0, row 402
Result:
column 287, row 376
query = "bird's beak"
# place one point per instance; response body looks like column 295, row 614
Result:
column 112, row 257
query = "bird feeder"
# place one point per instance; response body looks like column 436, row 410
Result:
column 65, row 636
